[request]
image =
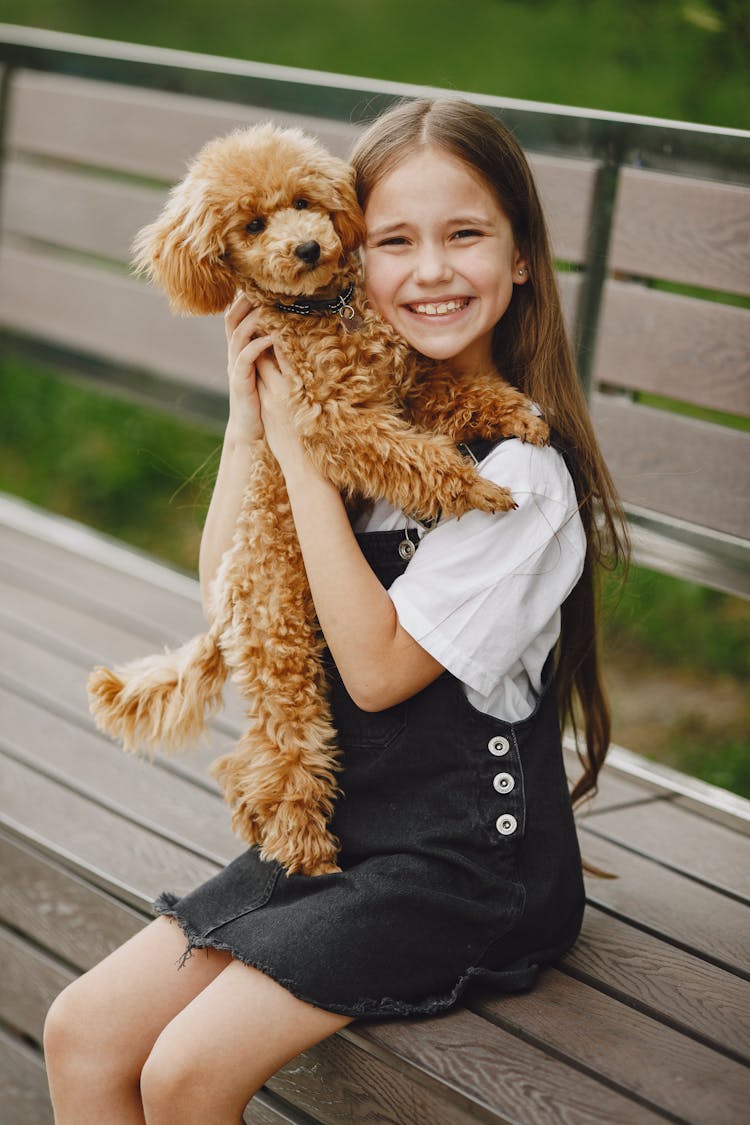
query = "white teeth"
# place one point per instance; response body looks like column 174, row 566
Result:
column 441, row 309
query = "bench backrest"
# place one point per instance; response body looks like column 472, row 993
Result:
column 635, row 207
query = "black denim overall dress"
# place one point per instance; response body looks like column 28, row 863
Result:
column 459, row 858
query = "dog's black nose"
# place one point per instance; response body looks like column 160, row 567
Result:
column 308, row 251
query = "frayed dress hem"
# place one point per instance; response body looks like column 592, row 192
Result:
column 517, row 978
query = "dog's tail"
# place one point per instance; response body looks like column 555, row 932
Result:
column 163, row 700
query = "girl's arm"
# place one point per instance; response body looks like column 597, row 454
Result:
column 379, row 662
column 244, row 429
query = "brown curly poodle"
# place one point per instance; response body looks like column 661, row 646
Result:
column 269, row 212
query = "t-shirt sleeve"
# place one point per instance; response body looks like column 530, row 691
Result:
column 480, row 589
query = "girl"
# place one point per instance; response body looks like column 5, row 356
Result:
column 455, row 654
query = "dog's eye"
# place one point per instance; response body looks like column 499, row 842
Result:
column 255, row 226
column 301, row 204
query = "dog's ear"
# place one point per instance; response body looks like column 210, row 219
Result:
column 346, row 213
column 183, row 251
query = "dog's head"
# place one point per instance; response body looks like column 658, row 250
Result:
column 265, row 210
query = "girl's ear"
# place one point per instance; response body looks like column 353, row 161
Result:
column 520, row 268
column 346, row 213
column 183, row 251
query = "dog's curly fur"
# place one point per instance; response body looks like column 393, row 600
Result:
column 368, row 411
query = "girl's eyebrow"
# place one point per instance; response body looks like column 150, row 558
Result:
column 457, row 220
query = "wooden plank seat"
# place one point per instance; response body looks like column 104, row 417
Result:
column 88, row 840
column 648, row 1018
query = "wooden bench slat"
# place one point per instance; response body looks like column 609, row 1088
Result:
column 102, row 314
column 662, row 980
column 107, row 643
column 59, row 910
column 90, row 214
column 682, row 229
column 682, row 840
column 683, row 467
column 566, row 189
column 30, row 982
column 123, row 599
column 694, row 917
column 23, row 1082
column 679, row 347
column 529, row 1086
column 141, row 132
column 635, row 1053
column 163, row 802
column 123, row 858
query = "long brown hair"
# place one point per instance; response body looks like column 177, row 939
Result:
column 531, row 349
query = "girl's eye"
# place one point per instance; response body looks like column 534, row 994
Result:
column 396, row 240
column 301, row 204
column 467, row 234
column 255, row 226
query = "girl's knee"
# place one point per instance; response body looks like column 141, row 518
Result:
column 185, row 1085
column 80, row 1032
column 66, row 1024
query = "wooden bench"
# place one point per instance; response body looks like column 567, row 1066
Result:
column 648, row 1018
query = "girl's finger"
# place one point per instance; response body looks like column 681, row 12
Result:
column 236, row 313
column 249, row 355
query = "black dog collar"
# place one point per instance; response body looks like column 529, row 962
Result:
column 310, row 306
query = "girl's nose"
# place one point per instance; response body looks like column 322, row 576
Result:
column 431, row 265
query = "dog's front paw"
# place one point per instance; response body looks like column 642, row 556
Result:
column 489, row 497
column 527, row 426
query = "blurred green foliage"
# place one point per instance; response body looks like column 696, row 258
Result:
column 685, row 59
column 128, row 471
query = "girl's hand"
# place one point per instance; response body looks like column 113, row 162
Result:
column 243, row 349
column 273, row 381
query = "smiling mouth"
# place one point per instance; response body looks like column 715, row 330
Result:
column 439, row 308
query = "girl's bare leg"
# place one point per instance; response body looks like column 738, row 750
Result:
column 211, row 1059
column 100, row 1030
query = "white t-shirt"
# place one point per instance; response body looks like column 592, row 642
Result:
column 483, row 593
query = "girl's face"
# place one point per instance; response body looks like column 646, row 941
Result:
column 440, row 258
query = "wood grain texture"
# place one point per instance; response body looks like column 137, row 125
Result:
column 679, row 347
column 113, row 854
column 60, row 911
column 682, row 840
column 683, row 467
column 566, row 190
column 664, row 981
column 694, row 917
column 29, row 982
column 52, row 682
column 337, row 1082
column 165, row 804
column 682, row 229
column 640, row 1056
column 108, row 316
column 515, row 1079
column 115, row 593
column 66, row 208
column 138, row 131
column 24, row 1099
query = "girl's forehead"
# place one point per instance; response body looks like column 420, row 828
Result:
column 431, row 177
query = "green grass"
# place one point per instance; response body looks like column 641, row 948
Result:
column 663, row 58
column 128, row 471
